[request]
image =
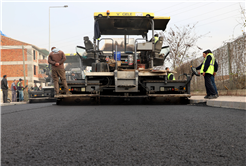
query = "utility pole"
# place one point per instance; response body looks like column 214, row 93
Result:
column 24, row 66
column 49, row 18
column 229, row 65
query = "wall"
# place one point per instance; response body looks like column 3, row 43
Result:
column 231, row 58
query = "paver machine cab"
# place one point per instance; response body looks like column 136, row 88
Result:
column 120, row 78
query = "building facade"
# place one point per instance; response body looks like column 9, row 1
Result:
column 12, row 65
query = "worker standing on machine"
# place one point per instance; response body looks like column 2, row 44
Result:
column 170, row 76
column 57, row 59
column 156, row 38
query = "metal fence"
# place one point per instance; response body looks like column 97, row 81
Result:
column 231, row 74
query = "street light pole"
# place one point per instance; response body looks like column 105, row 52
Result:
column 49, row 18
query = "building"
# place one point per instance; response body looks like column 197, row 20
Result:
column 12, row 61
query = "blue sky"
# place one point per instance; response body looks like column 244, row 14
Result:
column 28, row 21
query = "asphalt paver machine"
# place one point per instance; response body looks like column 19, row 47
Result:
column 109, row 74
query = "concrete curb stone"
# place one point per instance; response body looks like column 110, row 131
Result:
column 226, row 104
column 236, row 92
column 13, row 103
column 223, row 104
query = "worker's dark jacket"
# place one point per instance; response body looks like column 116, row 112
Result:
column 4, row 84
column 57, row 57
column 216, row 66
column 207, row 64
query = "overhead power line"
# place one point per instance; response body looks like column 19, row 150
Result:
column 192, row 9
column 64, row 40
column 219, row 15
column 180, row 9
column 166, row 8
column 207, row 12
column 217, row 20
column 80, row 36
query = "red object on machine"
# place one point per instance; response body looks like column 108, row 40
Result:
column 141, row 66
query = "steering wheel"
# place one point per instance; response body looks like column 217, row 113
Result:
column 193, row 69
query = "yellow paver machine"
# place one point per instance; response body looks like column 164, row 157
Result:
column 128, row 69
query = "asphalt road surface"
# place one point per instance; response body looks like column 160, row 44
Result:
column 151, row 135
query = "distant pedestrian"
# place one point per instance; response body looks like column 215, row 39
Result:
column 35, row 87
column 20, row 89
column 4, row 87
column 14, row 90
column 57, row 59
column 40, row 87
column 207, row 70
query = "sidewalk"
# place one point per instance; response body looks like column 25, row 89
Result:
column 13, row 103
column 236, row 102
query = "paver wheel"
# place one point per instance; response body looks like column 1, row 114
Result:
column 58, row 102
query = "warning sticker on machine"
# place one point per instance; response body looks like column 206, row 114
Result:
column 124, row 14
column 139, row 14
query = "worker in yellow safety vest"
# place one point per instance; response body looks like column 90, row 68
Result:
column 207, row 70
column 156, row 38
column 170, row 76
column 20, row 89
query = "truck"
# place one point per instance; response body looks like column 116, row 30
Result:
column 109, row 74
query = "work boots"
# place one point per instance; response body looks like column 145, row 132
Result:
column 68, row 93
column 212, row 97
column 58, row 94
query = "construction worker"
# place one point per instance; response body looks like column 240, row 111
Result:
column 57, row 59
column 35, row 87
column 4, row 87
column 20, row 89
column 73, row 76
column 13, row 89
column 156, row 38
column 207, row 70
column 216, row 66
column 170, row 76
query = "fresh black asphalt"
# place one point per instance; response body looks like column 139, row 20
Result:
column 150, row 135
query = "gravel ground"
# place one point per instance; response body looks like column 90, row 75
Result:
column 150, row 135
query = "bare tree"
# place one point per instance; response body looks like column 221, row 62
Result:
column 243, row 16
column 182, row 42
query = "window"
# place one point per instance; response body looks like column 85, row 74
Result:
column 34, row 69
column 34, row 55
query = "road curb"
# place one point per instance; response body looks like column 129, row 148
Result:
column 13, row 103
column 223, row 104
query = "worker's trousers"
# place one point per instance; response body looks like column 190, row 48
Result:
column 14, row 96
column 208, row 84
column 5, row 95
column 213, row 83
column 56, row 74
column 21, row 95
